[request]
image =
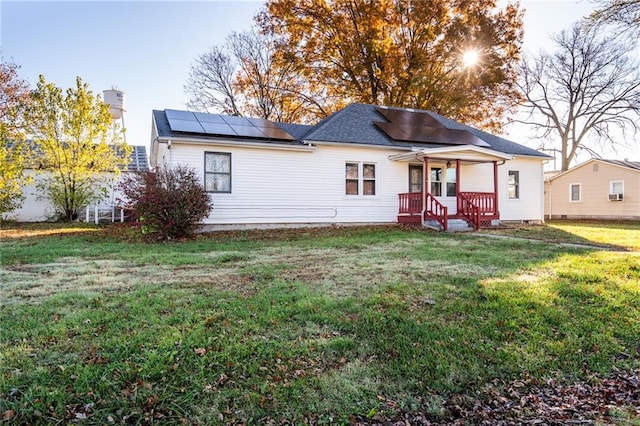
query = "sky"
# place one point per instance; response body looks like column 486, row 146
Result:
column 146, row 48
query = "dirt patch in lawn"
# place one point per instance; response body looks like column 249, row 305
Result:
column 338, row 272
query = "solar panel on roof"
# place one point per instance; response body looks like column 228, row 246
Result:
column 248, row 131
column 185, row 126
column 179, row 115
column 220, row 129
column 415, row 118
column 419, row 126
column 261, row 122
column 208, row 118
column 393, row 131
column 224, row 125
column 425, row 134
column 234, row 119
column 277, row 133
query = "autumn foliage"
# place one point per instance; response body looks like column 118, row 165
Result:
column 14, row 152
column 404, row 53
column 168, row 202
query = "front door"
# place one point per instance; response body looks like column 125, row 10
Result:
column 415, row 178
column 443, row 185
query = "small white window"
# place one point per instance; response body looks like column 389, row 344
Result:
column 513, row 184
column 575, row 192
column 616, row 187
column 360, row 178
column 217, row 172
column 616, row 190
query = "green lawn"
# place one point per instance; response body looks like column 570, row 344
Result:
column 622, row 235
column 320, row 325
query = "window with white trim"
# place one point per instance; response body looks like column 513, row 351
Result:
column 415, row 178
column 452, row 186
column 217, row 172
column 616, row 187
column 436, row 181
column 575, row 192
column 514, row 184
column 360, row 178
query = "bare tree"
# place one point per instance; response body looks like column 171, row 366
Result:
column 210, row 83
column 246, row 76
column 588, row 88
column 623, row 14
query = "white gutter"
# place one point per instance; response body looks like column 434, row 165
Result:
column 247, row 144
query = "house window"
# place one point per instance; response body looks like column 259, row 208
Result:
column 451, row 182
column 616, row 187
column 415, row 178
column 360, row 179
column 436, row 181
column 217, row 172
column 575, row 192
column 514, row 184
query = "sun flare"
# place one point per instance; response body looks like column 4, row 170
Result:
column 470, row 57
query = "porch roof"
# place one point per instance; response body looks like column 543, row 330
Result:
column 468, row 153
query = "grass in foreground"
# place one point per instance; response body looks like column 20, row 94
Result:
column 299, row 325
column 617, row 235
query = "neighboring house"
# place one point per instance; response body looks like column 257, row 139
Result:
column 362, row 164
column 37, row 209
column 595, row 189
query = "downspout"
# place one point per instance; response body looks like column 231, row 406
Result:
column 169, row 149
column 425, row 178
column 550, row 213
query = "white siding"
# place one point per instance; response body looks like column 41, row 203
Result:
column 281, row 186
column 292, row 186
column 33, row 209
column 529, row 206
column 37, row 209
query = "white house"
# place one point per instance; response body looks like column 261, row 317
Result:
column 35, row 208
column 362, row 164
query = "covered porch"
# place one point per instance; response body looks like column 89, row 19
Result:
column 437, row 186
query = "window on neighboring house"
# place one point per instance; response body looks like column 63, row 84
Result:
column 575, row 194
column 436, row 181
column 415, row 178
column 360, row 178
column 217, row 172
column 616, row 187
column 514, row 184
column 451, row 182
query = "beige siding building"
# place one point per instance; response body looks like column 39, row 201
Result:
column 596, row 189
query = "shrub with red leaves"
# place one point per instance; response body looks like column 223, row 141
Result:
column 168, row 203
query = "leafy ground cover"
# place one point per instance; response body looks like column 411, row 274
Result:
column 336, row 325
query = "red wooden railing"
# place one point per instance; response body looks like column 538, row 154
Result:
column 410, row 203
column 436, row 210
column 485, row 201
column 469, row 211
column 476, row 206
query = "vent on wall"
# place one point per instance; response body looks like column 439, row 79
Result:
column 615, row 197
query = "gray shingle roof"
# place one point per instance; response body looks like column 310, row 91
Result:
column 138, row 159
column 635, row 165
column 354, row 124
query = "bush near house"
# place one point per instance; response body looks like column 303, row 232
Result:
column 169, row 203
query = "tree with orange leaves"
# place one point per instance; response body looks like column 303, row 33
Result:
column 405, row 53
